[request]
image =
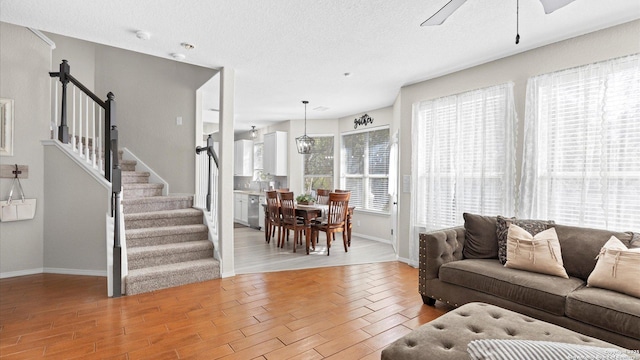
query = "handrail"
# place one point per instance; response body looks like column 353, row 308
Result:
column 112, row 173
column 212, row 156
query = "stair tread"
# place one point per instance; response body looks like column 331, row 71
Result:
column 156, row 199
column 166, row 230
column 135, row 173
column 168, row 269
column 173, row 248
column 163, row 214
column 142, row 186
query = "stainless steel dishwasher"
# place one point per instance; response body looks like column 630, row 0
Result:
column 254, row 214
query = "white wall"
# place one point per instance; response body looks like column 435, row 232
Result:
column 150, row 93
column 25, row 61
column 601, row 45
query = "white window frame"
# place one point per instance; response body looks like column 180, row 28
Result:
column 365, row 176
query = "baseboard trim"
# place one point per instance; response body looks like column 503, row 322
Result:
column 228, row 274
column 10, row 274
column 81, row 272
column 408, row 262
column 373, row 238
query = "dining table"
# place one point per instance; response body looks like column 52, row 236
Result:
column 308, row 213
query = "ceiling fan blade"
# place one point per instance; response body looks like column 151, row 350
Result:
column 441, row 15
column 553, row 5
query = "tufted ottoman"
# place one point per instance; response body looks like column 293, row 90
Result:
column 447, row 336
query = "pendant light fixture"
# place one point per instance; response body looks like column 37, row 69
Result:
column 254, row 132
column 305, row 143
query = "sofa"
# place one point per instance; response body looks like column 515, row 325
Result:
column 460, row 265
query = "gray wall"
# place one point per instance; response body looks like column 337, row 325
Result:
column 601, row 45
column 150, row 93
column 75, row 223
column 25, row 61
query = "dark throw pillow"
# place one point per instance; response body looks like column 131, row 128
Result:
column 502, row 228
column 480, row 237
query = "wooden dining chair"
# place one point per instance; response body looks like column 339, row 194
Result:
column 349, row 218
column 335, row 222
column 274, row 218
column 322, row 196
column 290, row 221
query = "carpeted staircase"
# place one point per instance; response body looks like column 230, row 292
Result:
column 167, row 243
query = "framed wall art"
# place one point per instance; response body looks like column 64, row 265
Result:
column 6, row 127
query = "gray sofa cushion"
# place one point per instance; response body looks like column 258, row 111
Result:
column 606, row 309
column 539, row 291
column 480, row 237
column 580, row 247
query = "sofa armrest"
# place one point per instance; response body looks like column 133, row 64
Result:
column 438, row 248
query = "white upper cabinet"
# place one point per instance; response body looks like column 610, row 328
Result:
column 275, row 154
column 243, row 161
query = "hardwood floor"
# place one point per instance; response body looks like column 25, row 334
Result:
column 341, row 312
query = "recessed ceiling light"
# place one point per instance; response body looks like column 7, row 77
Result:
column 178, row 56
column 143, row 35
column 188, row 46
column 321, row 108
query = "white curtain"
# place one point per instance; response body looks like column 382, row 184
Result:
column 463, row 156
column 581, row 161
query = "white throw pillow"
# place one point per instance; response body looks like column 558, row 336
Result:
column 617, row 269
column 540, row 253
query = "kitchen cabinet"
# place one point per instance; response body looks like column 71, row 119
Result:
column 257, row 156
column 274, row 159
column 243, row 161
column 241, row 208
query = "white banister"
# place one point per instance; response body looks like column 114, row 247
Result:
column 93, row 135
column 86, row 129
column 101, row 154
column 54, row 115
column 73, row 118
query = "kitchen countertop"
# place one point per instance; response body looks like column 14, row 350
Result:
column 250, row 192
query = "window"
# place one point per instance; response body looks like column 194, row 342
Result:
column 582, row 146
column 318, row 166
column 365, row 169
column 463, row 156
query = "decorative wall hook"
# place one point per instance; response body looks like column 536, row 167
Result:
column 14, row 171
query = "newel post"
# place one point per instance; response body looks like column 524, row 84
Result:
column 63, row 129
column 109, row 121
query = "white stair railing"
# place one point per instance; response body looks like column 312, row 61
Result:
column 86, row 125
column 206, row 196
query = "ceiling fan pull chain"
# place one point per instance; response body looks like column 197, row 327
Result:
column 517, row 22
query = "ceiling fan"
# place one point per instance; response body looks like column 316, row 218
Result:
column 449, row 8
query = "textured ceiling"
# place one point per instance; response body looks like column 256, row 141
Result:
column 285, row 51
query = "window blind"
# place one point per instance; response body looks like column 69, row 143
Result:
column 582, row 145
column 463, row 156
column 365, row 157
